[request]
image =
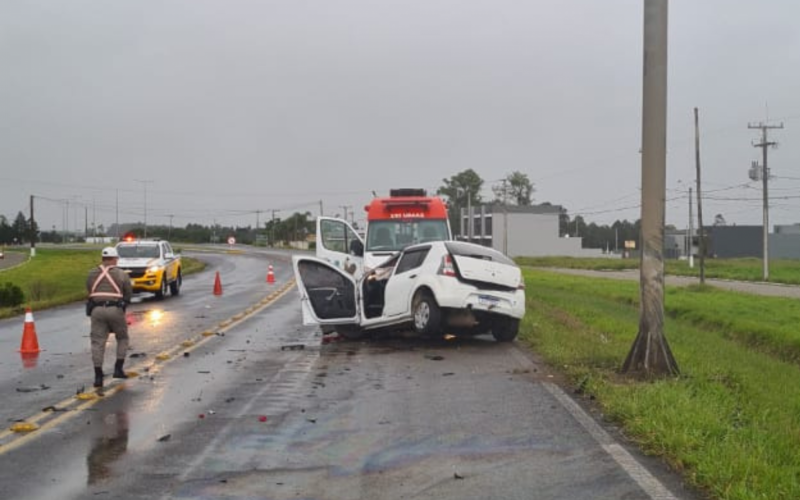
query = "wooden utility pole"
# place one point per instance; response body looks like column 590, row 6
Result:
column 701, row 231
column 764, row 144
column 650, row 354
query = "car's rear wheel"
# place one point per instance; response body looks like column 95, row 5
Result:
column 175, row 286
column 505, row 329
column 162, row 291
column 426, row 313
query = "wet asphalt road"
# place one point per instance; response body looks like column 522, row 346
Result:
column 244, row 416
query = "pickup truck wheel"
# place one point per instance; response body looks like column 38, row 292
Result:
column 505, row 329
column 426, row 313
column 162, row 291
column 175, row 286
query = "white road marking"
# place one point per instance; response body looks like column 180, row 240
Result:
column 629, row 464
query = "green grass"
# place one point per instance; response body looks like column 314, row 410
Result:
column 58, row 276
column 780, row 271
column 730, row 422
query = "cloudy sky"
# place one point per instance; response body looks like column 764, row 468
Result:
column 225, row 110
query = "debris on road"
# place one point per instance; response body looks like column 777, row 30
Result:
column 434, row 357
column 53, row 409
column 164, row 438
column 293, row 347
column 262, row 418
column 23, row 427
column 204, row 372
column 42, row 387
column 138, row 355
column 456, row 475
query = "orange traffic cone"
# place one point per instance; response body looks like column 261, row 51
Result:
column 270, row 275
column 30, row 344
column 217, row 285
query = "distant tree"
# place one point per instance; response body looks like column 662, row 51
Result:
column 515, row 189
column 457, row 188
column 719, row 220
column 6, row 236
column 19, row 229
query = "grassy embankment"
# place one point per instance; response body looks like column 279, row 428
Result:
column 780, row 271
column 730, row 422
column 58, row 276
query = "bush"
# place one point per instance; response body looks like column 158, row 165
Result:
column 11, row 295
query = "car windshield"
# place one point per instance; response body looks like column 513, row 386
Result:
column 393, row 235
column 138, row 251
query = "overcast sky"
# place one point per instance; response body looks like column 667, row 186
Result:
column 214, row 110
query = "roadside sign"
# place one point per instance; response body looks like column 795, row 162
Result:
column 231, row 240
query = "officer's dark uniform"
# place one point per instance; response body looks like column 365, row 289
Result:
column 109, row 292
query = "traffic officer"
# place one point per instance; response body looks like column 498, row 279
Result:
column 109, row 293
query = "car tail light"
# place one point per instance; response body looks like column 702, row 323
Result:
column 447, row 268
column 521, row 285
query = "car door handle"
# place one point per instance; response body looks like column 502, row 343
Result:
column 412, row 276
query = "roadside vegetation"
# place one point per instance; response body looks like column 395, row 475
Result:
column 729, row 423
column 750, row 269
column 58, row 276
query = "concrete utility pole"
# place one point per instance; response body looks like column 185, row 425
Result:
column 702, row 249
column 116, row 211
column 272, row 229
column 650, row 354
column 764, row 144
column 144, row 183
column 33, row 231
column 691, row 232
column 505, row 219
column 471, row 225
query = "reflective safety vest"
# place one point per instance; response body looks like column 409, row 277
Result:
column 105, row 275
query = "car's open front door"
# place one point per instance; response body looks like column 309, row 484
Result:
column 339, row 244
column 327, row 294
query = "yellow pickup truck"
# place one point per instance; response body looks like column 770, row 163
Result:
column 152, row 265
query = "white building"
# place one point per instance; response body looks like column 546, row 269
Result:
column 517, row 231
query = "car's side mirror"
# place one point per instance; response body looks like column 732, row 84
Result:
column 357, row 248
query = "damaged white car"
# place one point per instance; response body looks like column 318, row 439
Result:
column 438, row 287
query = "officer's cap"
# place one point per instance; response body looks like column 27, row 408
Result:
column 110, row 253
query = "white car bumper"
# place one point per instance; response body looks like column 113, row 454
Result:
column 468, row 297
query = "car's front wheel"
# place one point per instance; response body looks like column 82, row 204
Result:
column 162, row 291
column 427, row 315
column 175, row 286
column 505, row 329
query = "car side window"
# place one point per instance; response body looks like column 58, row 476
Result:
column 411, row 260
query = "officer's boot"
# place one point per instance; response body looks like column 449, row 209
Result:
column 98, row 376
column 118, row 373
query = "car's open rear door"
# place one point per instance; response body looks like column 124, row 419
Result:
column 327, row 293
